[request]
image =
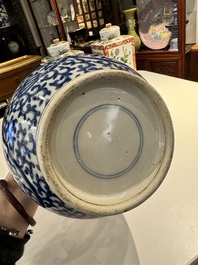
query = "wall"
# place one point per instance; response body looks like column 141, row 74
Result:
column 192, row 25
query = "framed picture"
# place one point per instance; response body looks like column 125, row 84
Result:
column 91, row 13
column 100, row 13
column 91, row 5
column 87, row 16
column 98, row 4
column 95, row 23
column 80, row 19
column 85, row 6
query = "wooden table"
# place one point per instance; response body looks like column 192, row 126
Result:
column 14, row 71
column 194, row 63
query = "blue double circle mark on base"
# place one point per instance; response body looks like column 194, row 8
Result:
column 76, row 137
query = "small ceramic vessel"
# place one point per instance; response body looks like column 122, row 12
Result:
column 58, row 48
column 86, row 136
column 109, row 32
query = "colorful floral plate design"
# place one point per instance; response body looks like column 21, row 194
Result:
column 152, row 24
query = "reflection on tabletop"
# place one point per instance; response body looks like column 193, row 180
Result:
column 105, row 241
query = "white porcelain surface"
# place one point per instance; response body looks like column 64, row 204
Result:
column 174, row 45
column 109, row 32
column 51, row 18
column 58, row 48
column 121, row 48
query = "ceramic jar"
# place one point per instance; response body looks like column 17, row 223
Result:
column 121, row 48
column 86, row 136
column 130, row 21
column 109, row 32
column 58, row 48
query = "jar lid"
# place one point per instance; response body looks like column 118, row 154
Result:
column 109, row 27
column 109, row 32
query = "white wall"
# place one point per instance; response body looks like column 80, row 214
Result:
column 192, row 26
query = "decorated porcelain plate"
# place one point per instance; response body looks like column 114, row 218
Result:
column 153, row 21
column 51, row 18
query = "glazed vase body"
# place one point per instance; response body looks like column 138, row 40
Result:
column 130, row 18
column 76, row 143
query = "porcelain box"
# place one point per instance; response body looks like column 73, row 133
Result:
column 109, row 32
column 121, row 48
column 59, row 48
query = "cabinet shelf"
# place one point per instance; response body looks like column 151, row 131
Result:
column 163, row 51
column 48, row 26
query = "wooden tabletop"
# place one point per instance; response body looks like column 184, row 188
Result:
column 18, row 62
column 195, row 47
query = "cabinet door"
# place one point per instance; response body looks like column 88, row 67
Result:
column 45, row 19
column 168, row 66
column 66, row 14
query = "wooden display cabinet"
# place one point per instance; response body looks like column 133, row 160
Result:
column 163, row 61
column 90, row 15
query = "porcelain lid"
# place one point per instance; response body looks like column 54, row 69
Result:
column 109, row 32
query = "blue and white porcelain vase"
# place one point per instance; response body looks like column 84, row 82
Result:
column 87, row 136
column 4, row 18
